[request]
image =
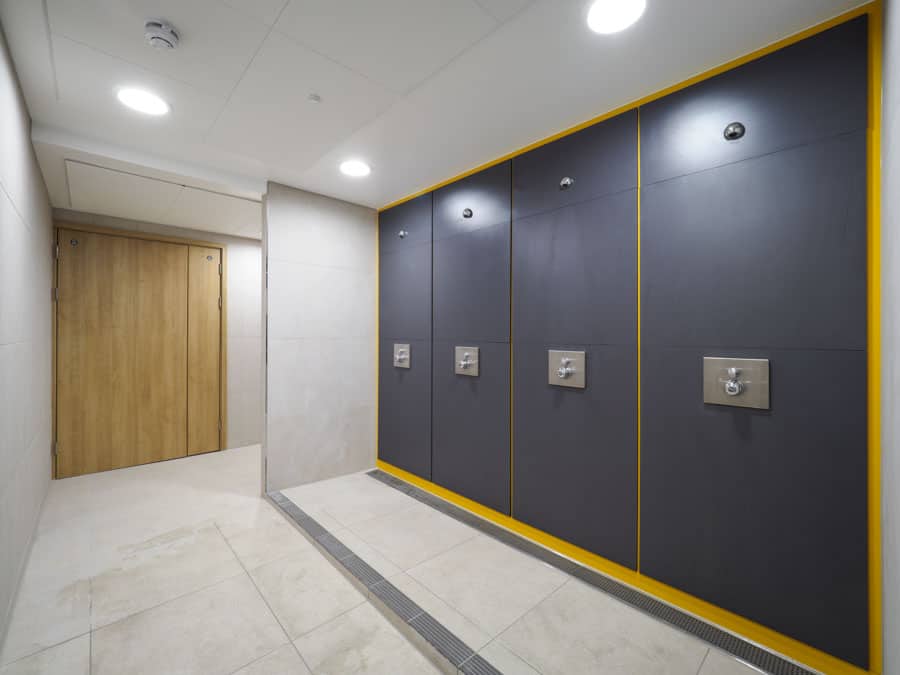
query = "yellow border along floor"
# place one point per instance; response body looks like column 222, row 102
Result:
column 748, row 629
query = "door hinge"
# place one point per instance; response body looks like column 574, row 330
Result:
column 54, row 294
column 220, row 425
column 220, row 302
column 56, row 251
column 220, row 269
column 54, row 449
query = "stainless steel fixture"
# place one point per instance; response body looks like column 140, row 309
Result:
column 736, row 382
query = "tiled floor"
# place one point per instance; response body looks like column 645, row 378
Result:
column 522, row 615
column 180, row 568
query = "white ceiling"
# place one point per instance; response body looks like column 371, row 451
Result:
column 95, row 189
column 421, row 89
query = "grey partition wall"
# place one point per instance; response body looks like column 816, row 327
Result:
column 756, row 248
column 470, row 423
column 575, row 288
column 404, row 413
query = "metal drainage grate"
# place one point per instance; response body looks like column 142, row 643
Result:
column 426, row 626
column 734, row 645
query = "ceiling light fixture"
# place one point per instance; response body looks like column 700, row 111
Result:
column 142, row 101
column 612, row 16
column 355, row 168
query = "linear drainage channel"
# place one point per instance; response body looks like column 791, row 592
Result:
column 744, row 650
column 428, row 629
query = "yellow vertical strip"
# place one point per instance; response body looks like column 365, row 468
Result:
column 377, row 329
column 874, row 336
column 511, row 452
column 638, row 557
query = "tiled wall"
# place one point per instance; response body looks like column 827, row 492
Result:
column 890, row 228
column 321, row 337
column 244, row 327
column 25, row 335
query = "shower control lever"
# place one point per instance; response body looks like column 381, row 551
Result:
column 465, row 361
column 736, row 382
column 566, row 368
column 401, row 356
column 733, row 385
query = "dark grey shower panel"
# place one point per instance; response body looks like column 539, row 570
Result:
column 757, row 248
column 404, row 412
column 575, row 288
column 470, row 432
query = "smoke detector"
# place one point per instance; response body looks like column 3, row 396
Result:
column 160, row 34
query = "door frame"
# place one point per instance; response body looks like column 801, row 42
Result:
column 131, row 234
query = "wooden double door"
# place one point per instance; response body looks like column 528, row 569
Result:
column 139, row 354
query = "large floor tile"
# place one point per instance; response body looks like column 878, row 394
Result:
column 489, row 582
column 283, row 661
column 216, row 630
column 160, row 569
column 720, row 663
column 305, row 590
column 350, row 499
column 45, row 615
column 474, row 637
column 361, row 641
column 413, row 535
column 579, row 629
column 504, row 660
column 69, row 658
column 269, row 537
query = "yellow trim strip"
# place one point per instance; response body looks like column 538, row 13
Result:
column 638, row 551
column 377, row 331
column 512, row 391
column 874, row 337
column 752, row 56
column 738, row 625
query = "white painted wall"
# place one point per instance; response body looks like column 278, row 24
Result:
column 321, row 294
column 890, row 247
column 25, row 336
column 244, row 317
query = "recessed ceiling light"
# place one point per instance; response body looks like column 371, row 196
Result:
column 356, row 168
column 612, row 16
column 142, row 101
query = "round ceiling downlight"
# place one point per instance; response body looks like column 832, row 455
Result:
column 355, row 168
column 612, row 16
column 143, row 101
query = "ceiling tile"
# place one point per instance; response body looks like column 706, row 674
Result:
column 214, row 212
column 217, row 42
column 26, row 33
column 270, row 117
column 504, row 10
column 89, row 79
column 265, row 10
column 123, row 195
column 398, row 43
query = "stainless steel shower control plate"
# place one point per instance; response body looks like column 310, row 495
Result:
column 566, row 369
column 466, row 361
column 401, row 356
column 743, row 383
